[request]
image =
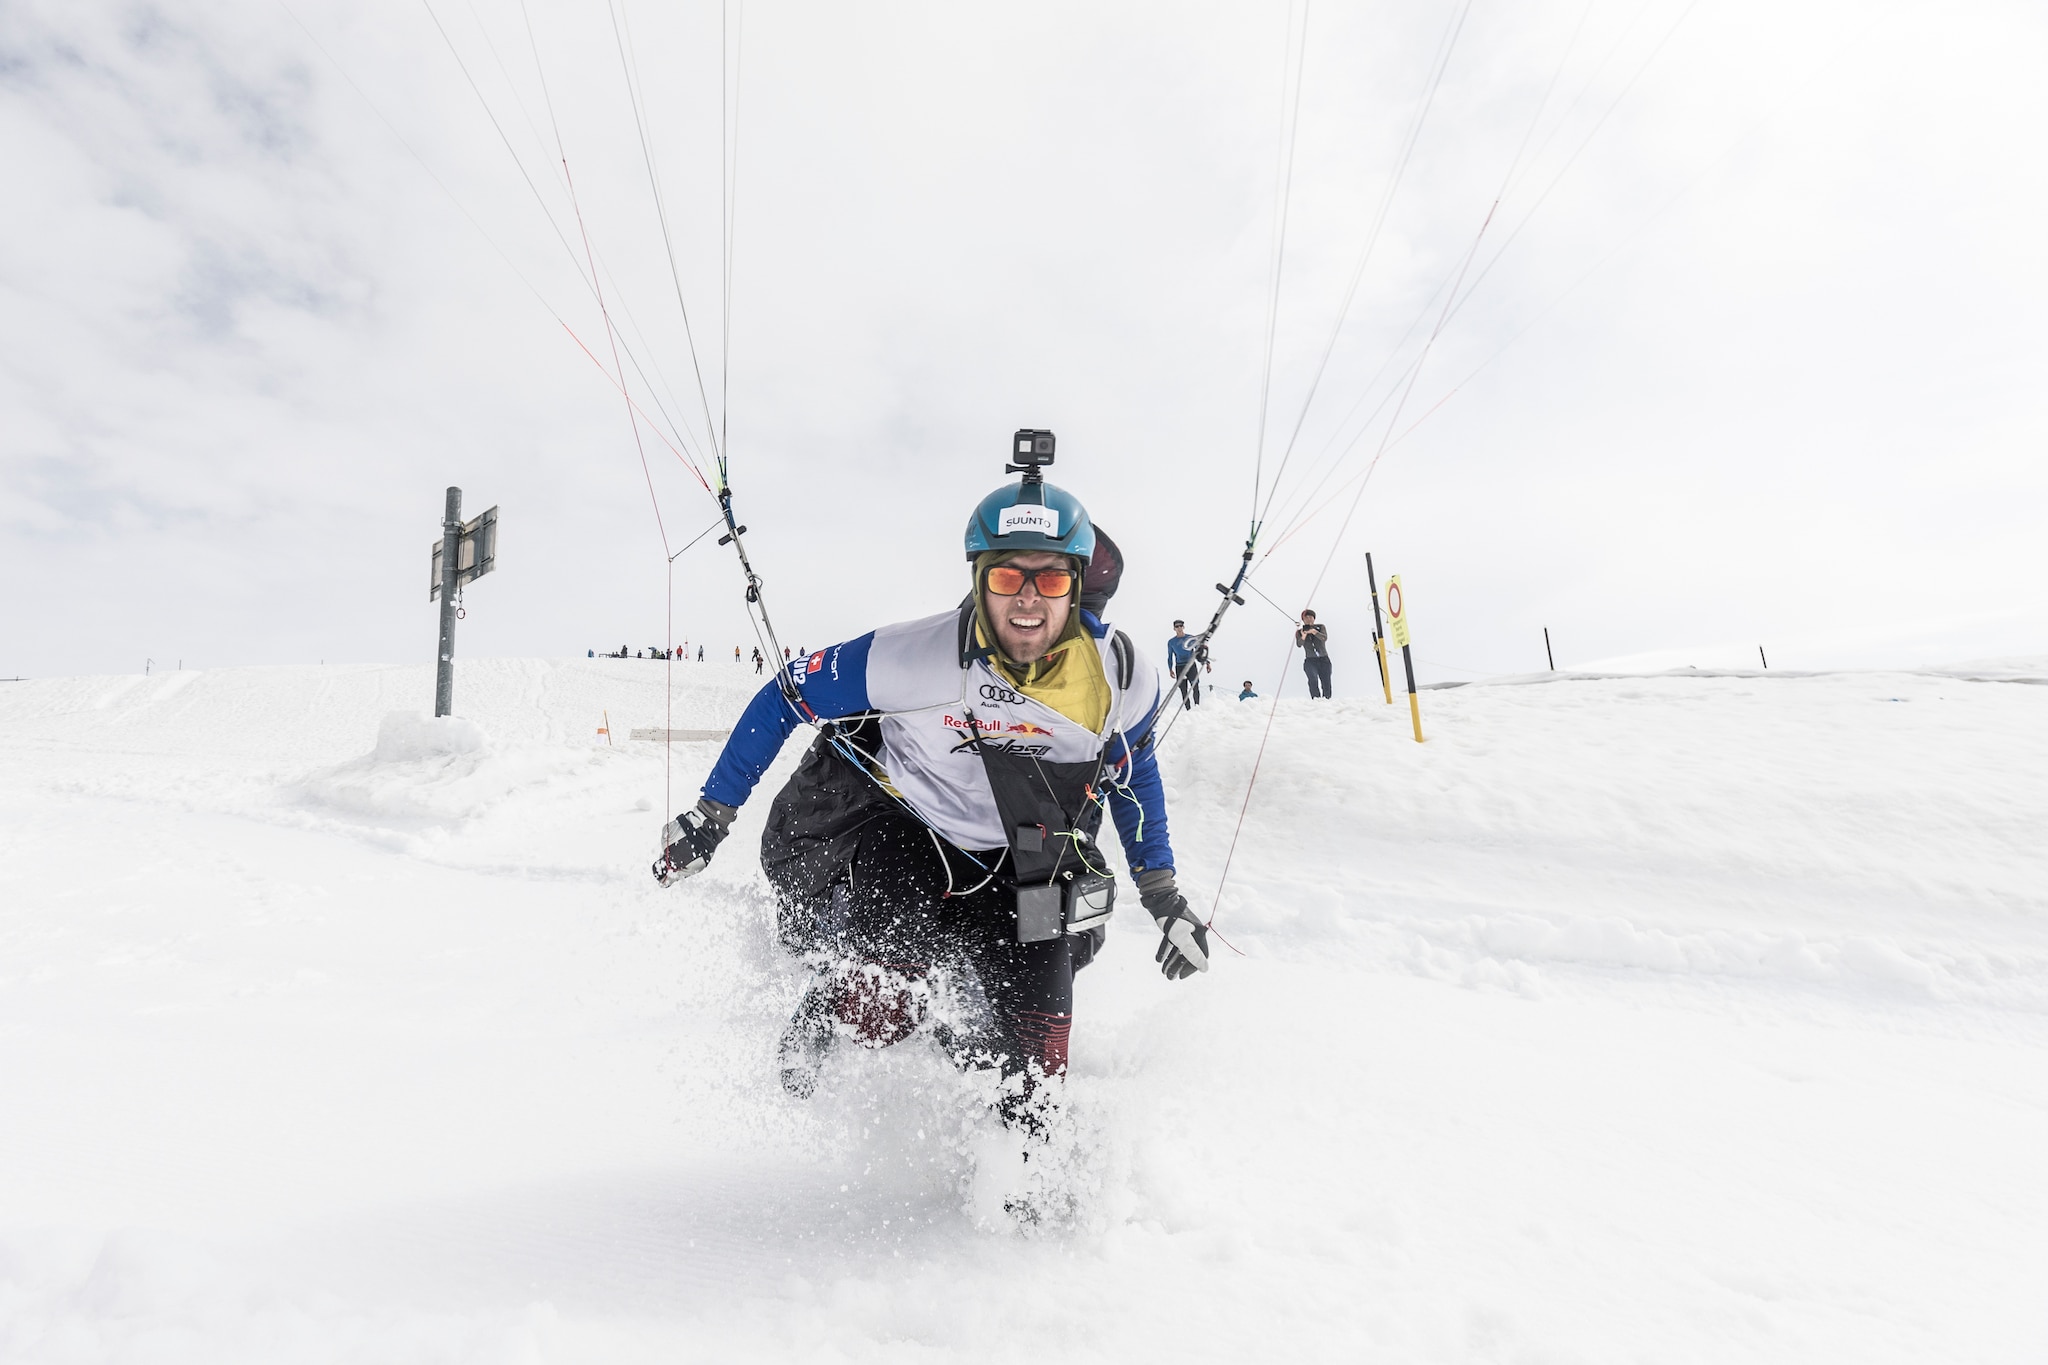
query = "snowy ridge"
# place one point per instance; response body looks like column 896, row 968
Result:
column 1684, row 1017
column 1862, row 829
column 2033, row 671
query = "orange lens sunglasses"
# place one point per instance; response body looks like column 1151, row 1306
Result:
column 1007, row 580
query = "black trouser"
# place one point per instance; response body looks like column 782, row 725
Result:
column 1190, row 690
column 1318, row 670
column 891, row 922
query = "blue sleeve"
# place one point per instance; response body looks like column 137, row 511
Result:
column 830, row 683
column 1139, row 806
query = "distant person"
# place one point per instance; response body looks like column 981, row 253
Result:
column 760, row 660
column 1187, row 656
column 785, row 654
column 1247, row 694
column 1314, row 640
column 735, row 653
column 590, row 654
column 700, row 654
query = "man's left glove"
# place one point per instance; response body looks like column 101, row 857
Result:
column 689, row 840
column 1185, row 948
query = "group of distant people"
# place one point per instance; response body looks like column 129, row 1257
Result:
column 1188, row 656
column 682, row 652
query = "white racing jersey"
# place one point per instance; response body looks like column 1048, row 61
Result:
column 934, row 696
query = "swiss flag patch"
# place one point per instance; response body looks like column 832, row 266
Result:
column 817, row 662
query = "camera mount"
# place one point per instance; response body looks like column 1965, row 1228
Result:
column 1032, row 451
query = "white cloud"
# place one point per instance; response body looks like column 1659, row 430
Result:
column 250, row 339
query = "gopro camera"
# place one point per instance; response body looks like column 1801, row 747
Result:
column 1032, row 451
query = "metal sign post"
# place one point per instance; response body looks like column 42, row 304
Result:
column 466, row 551
column 1397, row 629
column 450, row 557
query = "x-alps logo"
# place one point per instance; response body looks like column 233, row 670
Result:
column 1005, row 696
column 1020, row 737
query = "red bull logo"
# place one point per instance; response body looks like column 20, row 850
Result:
column 997, row 726
column 1010, row 732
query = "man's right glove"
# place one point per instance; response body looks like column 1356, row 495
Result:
column 1185, row 948
column 689, row 840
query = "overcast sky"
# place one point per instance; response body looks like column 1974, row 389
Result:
column 1759, row 361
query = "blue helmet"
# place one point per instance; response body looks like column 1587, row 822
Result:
column 1031, row 515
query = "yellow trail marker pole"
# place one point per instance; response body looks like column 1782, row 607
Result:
column 1414, row 704
column 1379, row 640
column 1397, row 627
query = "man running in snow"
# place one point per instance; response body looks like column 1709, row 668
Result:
column 935, row 854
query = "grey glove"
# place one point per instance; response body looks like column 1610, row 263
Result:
column 1185, row 948
column 689, row 840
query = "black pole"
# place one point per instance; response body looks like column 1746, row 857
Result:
column 1378, row 649
column 1760, row 655
column 451, row 555
column 1548, row 657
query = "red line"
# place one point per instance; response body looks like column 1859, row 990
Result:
column 688, row 463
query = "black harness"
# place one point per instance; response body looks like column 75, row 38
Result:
column 1051, row 814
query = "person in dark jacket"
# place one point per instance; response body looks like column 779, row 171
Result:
column 1314, row 640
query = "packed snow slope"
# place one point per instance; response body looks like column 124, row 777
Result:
column 1675, row 1018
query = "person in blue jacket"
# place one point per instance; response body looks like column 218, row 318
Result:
column 935, row 855
column 1188, row 657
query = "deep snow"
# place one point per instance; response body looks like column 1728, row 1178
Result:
column 1673, row 1018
